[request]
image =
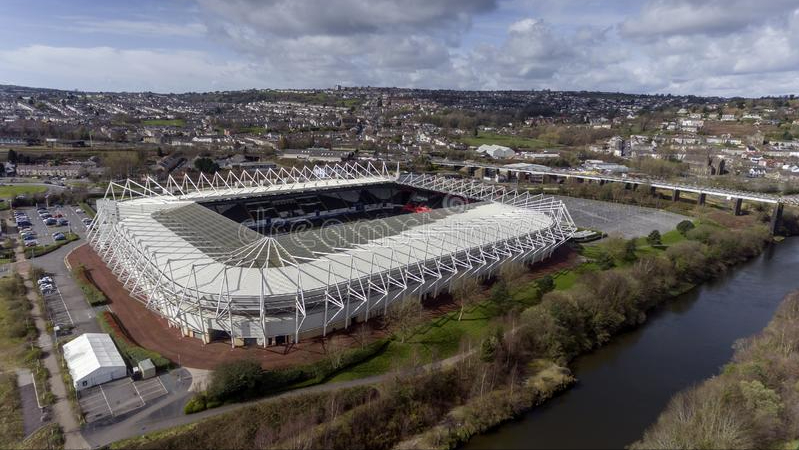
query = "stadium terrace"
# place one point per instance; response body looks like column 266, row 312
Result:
column 271, row 257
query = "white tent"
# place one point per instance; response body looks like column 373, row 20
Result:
column 92, row 359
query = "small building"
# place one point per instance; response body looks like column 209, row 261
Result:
column 93, row 359
column 147, row 369
column 496, row 151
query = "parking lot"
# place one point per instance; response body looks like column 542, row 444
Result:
column 66, row 306
column 57, row 309
column 44, row 233
column 119, row 397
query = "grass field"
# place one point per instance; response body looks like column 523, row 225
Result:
column 11, row 191
column 443, row 336
column 508, row 141
column 164, row 122
column 14, row 334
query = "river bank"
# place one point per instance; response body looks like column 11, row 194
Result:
column 624, row 386
column 751, row 403
column 596, row 304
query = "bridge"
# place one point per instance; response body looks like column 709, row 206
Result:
column 542, row 174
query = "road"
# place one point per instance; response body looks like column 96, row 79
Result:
column 169, row 413
column 62, row 409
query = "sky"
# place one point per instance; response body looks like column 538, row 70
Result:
column 703, row 47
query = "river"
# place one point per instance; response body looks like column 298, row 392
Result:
column 625, row 385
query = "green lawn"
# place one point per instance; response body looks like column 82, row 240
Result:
column 671, row 237
column 438, row 339
column 20, row 189
column 508, row 141
column 164, row 122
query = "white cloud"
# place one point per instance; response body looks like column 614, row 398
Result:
column 106, row 68
column 133, row 27
column 715, row 17
column 732, row 47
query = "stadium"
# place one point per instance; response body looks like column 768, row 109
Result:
column 272, row 257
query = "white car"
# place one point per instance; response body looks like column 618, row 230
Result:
column 44, row 280
column 79, row 211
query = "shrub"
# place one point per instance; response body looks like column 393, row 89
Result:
column 235, row 380
column 653, row 238
column 685, row 226
column 545, row 284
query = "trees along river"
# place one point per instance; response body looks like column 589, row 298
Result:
column 624, row 385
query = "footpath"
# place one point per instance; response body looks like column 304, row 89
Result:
column 62, row 409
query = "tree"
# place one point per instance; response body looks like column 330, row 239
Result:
column 463, row 291
column 206, row 165
column 499, row 293
column 12, row 156
column 545, row 284
column 653, row 238
column 235, row 380
column 282, row 142
column 403, row 316
column 685, row 226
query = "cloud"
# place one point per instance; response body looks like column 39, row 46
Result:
column 291, row 18
column 321, row 43
column 133, row 27
column 106, row 68
column 661, row 18
column 715, row 47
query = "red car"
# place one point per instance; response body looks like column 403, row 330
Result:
column 410, row 207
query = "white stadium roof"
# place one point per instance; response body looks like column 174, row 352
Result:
column 180, row 256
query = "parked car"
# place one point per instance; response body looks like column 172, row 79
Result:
column 32, row 243
column 50, row 222
column 63, row 222
column 78, row 210
column 59, row 237
column 86, row 221
column 44, row 279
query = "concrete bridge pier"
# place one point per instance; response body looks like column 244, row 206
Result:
column 776, row 218
column 702, row 198
column 736, row 206
column 675, row 195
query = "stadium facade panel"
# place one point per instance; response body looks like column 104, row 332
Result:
column 267, row 257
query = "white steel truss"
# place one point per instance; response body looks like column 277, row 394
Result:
column 260, row 290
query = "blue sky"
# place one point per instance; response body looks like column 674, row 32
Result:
column 705, row 47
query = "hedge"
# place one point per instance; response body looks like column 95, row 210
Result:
column 93, row 295
column 41, row 250
column 132, row 353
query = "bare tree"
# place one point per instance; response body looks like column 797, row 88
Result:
column 511, row 271
column 463, row 291
column 403, row 316
column 335, row 347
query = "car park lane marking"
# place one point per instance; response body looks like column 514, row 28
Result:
column 106, row 401
column 138, row 393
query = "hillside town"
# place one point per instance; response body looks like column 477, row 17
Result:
column 67, row 134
